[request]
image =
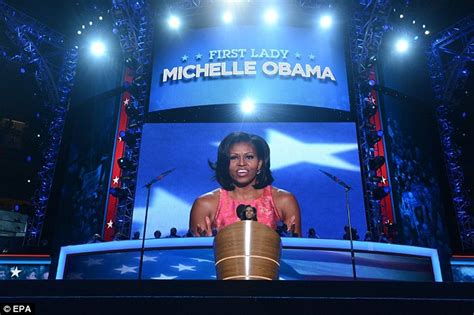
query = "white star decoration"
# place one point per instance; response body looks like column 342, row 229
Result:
column 110, row 224
column 289, row 151
column 15, row 272
column 297, row 55
column 384, row 180
column 91, row 261
column 164, row 277
column 311, row 57
column 126, row 269
column 115, row 180
column 126, row 101
column 198, row 57
column 147, row 258
column 182, row 267
column 184, row 58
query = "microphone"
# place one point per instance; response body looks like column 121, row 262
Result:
column 159, row 177
column 337, row 180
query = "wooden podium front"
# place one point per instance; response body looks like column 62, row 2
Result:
column 247, row 250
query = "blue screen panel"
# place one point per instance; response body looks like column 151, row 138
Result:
column 224, row 65
column 298, row 151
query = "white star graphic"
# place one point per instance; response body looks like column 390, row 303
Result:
column 147, row 258
column 184, row 58
column 126, row 269
column 110, row 224
column 115, row 180
column 198, row 57
column 311, row 57
column 297, row 55
column 164, row 277
column 182, row 267
column 384, row 180
column 15, row 272
column 202, row 260
column 91, row 261
column 289, row 151
column 126, row 101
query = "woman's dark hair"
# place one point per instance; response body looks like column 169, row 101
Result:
column 221, row 167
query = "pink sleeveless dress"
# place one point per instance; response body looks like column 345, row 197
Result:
column 266, row 209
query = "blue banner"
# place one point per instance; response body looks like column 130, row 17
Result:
column 270, row 65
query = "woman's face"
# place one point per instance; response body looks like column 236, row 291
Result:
column 248, row 213
column 243, row 164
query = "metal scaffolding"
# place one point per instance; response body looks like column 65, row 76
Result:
column 55, row 67
column 449, row 53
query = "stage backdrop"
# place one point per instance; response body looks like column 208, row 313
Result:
column 298, row 151
column 226, row 64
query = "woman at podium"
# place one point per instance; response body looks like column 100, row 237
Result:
column 243, row 171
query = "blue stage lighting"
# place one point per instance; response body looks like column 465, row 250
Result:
column 97, row 48
column 174, row 22
column 402, row 45
column 325, row 21
column 247, row 106
column 270, row 16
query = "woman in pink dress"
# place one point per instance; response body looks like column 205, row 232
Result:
column 243, row 171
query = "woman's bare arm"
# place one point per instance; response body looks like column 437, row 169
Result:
column 202, row 214
column 289, row 210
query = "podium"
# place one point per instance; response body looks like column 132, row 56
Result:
column 247, row 250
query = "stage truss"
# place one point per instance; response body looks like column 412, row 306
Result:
column 36, row 45
column 449, row 53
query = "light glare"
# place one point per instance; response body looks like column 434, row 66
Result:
column 227, row 17
column 271, row 16
column 325, row 21
column 402, row 45
column 174, row 22
column 247, row 106
column 97, row 49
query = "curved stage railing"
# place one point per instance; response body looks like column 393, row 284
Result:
column 301, row 259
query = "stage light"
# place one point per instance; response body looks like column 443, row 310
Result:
column 100, row 18
column 124, row 163
column 325, row 21
column 79, row 32
column 401, row 45
column 227, row 17
column 97, row 49
column 174, row 22
column 373, row 137
column 402, row 16
column 90, row 23
column 427, row 32
column 270, row 16
column 247, row 106
column 376, row 162
column 380, row 192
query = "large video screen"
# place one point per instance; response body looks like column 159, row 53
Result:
column 298, row 152
column 225, row 65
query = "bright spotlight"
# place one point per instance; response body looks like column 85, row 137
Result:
column 97, row 49
column 247, row 106
column 174, row 22
column 325, row 21
column 271, row 16
column 401, row 45
column 227, row 17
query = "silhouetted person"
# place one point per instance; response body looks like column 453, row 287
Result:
column 173, row 232
column 347, row 236
column 136, row 236
column 157, row 234
column 312, row 233
column 368, row 237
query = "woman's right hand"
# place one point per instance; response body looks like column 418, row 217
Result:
column 205, row 231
